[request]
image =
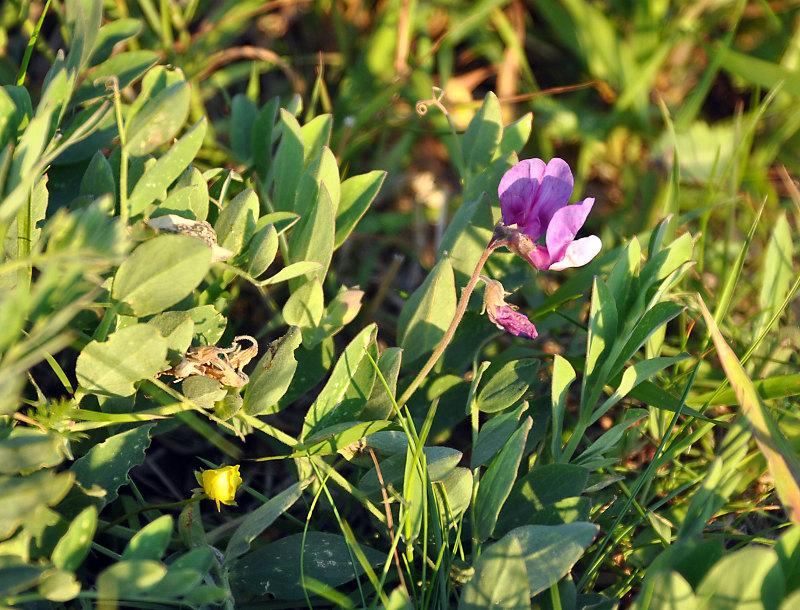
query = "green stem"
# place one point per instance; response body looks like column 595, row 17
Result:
column 123, row 154
column 25, row 223
column 574, row 440
column 466, row 292
column 166, row 26
column 555, row 597
column 101, row 332
column 272, row 431
column 405, row 421
column 478, row 371
column 23, row 68
column 436, row 100
column 142, row 509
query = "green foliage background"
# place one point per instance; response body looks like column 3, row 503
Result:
column 333, row 168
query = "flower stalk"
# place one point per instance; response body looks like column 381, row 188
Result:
column 466, row 293
column 534, row 202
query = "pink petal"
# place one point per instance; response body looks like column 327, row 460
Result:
column 539, row 257
column 518, row 188
column 552, row 195
column 504, row 316
column 564, row 226
column 578, row 253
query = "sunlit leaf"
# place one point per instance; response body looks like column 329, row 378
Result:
column 427, row 313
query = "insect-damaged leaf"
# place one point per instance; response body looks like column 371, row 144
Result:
column 261, row 518
column 273, row 374
column 107, row 465
column 276, row 567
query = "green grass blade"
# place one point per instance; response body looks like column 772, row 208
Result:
column 782, row 461
column 23, row 67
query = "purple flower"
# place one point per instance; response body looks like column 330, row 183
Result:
column 503, row 315
column 535, row 197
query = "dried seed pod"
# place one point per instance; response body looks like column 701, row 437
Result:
column 172, row 223
column 221, row 364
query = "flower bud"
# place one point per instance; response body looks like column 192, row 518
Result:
column 221, row 484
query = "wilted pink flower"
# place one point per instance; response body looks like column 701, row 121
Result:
column 503, row 315
column 535, row 197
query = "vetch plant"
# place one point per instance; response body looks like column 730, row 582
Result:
column 534, row 199
column 194, row 271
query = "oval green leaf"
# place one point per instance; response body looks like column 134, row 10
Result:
column 130, row 354
column 550, row 551
column 158, row 120
column 163, row 172
column 496, row 484
column 500, row 579
column 507, row 386
column 160, row 272
column 427, row 313
column 349, row 386
column 73, row 546
column 151, row 541
column 237, row 221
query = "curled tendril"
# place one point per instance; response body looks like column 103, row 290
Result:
column 436, row 100
column 111, row 83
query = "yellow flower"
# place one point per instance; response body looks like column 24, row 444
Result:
column 221, row 484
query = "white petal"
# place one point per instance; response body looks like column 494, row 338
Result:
column 578, row 253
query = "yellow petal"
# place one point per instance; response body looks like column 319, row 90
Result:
column 221, row 484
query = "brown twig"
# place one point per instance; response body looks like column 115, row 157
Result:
column 389, row 520
column 217, row 60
